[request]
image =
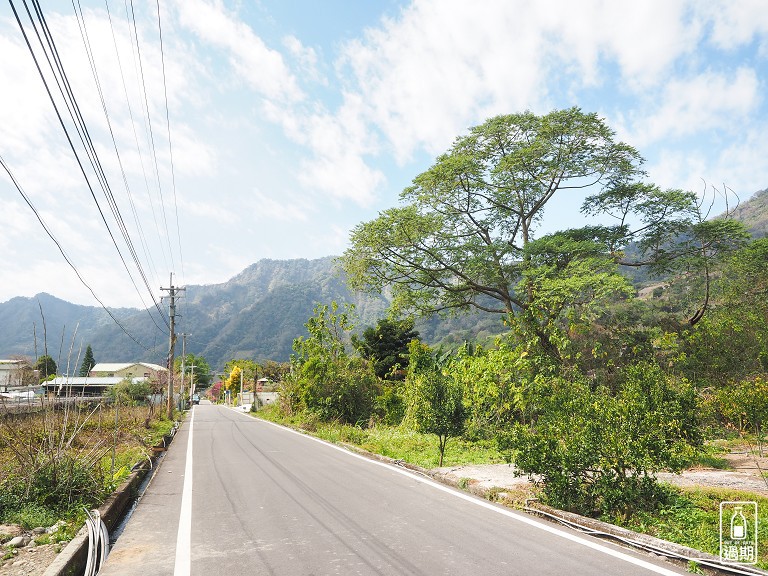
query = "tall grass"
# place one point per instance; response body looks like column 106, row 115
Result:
column 397, row 442
column 55, row 461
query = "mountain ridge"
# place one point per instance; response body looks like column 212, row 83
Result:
column 256, row 314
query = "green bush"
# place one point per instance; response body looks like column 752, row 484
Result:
column 434, row 399
column 324, row 378
column 390, row 405
column 596, row 453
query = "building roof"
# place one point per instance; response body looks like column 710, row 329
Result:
column 117, row 366
column 87, row 381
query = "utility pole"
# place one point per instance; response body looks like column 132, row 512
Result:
column 183, row 360
column 241, row 388
column 172, row 293
column 192, row 382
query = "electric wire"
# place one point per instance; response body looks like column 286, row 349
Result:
column 87, row 142
column 170, row 142
column 64, row 254
column 76, row 117
column 151, row 133
column 133, row 121
column 94, row 71
column 138, row 147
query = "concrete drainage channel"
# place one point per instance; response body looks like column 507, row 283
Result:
column 85, row 552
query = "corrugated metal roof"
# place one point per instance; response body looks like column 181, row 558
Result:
column 88, row 381
column 117, row 366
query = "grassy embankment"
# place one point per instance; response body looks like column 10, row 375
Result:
column 54, row 463
column 690, row 516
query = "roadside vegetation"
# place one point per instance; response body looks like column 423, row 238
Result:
column 593, row 389
column 58, row 460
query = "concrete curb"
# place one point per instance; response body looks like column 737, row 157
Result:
column 72, row 559
column 657, row 546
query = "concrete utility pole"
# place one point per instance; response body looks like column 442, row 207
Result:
column 192, row 382
column 183, row 359
column 172, row 293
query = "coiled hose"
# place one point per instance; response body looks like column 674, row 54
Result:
column 98, row 543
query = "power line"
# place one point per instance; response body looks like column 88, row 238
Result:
column 81, row 128
column 170, row 144
column 64, row 254
column 133, row 121
column 151, row 133
column 94, row 71
column 136, row 140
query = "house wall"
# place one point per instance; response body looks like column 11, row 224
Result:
column 132, row 371
column 9, row 375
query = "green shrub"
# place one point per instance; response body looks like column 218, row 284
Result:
column 435, row 400
column 597, row 453
column 390, row 405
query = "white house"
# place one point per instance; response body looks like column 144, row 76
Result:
column 129, row 370
column 84, row 385
column 10, row 374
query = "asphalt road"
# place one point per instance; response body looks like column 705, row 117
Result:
column 236, row 495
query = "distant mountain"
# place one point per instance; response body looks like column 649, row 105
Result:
column 256, row 314
column 754, row 214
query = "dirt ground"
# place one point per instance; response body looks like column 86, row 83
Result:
column 746, row 474
column 29, row 560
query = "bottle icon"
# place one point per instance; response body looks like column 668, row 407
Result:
column 738, row 525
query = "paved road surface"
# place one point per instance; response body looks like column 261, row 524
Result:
column 266, row 500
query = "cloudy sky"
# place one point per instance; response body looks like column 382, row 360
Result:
column 288, row 122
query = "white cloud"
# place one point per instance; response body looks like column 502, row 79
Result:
column 643, row 38
column 260, row 66
column 287, row 208
column 739, row 165
column 428, row 74
column 439, row 67
column 735, row 23
column 306, row 57
column 698, row 104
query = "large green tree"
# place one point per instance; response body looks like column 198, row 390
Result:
column 46, row 367
column 460, row 237
column 88, row 362
column 464, row 233
column 195, row 367
column 386, row 345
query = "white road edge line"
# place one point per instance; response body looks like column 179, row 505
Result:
column 509, row 513
column 184, row 537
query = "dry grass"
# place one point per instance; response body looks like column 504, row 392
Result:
column 58, row 458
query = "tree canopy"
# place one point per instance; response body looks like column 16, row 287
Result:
column 46, row 367
column 195, row 367
column 386, row 345
column 459, row 239
column 88, row 362
column 465, row 233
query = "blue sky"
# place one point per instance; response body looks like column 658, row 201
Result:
column 293, row 121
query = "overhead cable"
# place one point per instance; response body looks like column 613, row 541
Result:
column 74, row 111
column 64, row 254
column 84, row 35
column 151, row 133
